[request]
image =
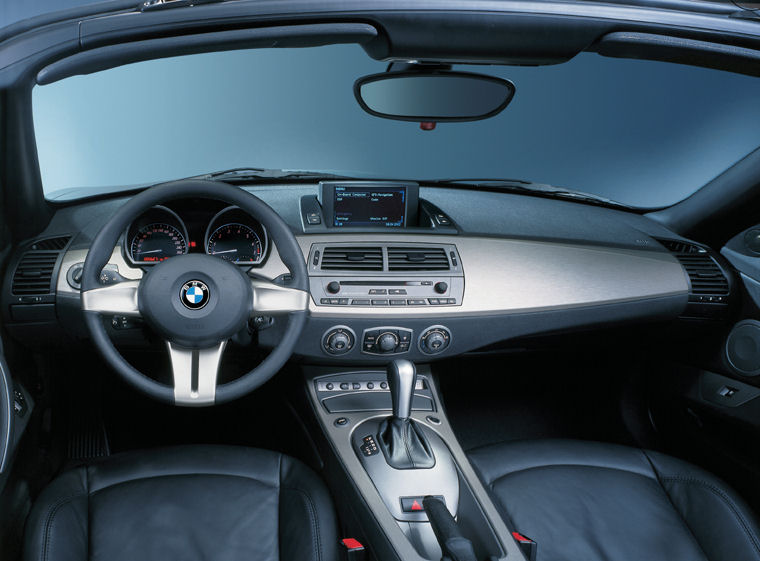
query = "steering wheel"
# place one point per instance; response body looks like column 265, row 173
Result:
column 196, row 302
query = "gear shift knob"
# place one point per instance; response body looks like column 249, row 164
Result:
column 402, row 376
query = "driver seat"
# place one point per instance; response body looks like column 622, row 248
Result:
column 189, row 503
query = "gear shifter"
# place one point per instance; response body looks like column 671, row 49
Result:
column 403, row 442
column 402, row 377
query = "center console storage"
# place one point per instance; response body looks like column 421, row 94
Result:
column 391, row 439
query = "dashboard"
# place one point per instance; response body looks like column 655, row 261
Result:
column 460, row 270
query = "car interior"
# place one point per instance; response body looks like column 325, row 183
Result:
column 386, row 281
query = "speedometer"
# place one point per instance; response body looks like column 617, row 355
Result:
column 157, row 242
column 235, row 242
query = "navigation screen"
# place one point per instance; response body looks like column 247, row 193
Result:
column 369, row 206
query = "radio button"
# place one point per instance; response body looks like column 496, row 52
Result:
column 378, row 291
column 416, row 302
column 398, row 302
column 360, row 302
column 379, row 302
column 400, row 291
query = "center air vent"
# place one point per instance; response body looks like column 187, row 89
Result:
column 417, row 259
column 352, row 258
column 707, row 278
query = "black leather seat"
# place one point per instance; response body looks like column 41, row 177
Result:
column 186, row 503
column 586, row 501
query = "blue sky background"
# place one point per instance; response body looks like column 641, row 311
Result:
column 642, row 133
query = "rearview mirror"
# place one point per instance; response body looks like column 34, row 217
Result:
column 433, row 96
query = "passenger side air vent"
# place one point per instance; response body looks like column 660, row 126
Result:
column 709, row 283
column 417, row 259
column 352, row 258
column 34, row 272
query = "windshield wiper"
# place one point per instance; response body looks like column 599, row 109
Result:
column 245, row 175
column 522, row 186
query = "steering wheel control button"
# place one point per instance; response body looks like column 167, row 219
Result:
column 338, row 340
column 194, row 294
column 434, row 340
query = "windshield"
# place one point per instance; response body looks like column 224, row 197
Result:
column 646, row 134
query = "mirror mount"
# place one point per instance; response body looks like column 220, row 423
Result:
column 415, row 66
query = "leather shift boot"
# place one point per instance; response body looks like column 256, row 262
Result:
column 405, row 445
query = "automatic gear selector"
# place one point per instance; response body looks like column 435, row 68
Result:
column 404, row 444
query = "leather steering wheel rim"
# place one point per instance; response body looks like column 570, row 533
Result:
column 296, row 292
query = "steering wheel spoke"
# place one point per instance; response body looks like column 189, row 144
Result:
column 120, row 299
column 272, row 299
column 195, row 372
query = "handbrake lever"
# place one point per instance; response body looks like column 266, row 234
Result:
column 454, row 546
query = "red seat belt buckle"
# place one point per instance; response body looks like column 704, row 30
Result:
column 352, row 550
column 528, row 546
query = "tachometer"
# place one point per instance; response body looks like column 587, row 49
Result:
column 235, row 242
column 157, row 242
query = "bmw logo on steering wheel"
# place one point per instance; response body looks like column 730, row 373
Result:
column 194, row 294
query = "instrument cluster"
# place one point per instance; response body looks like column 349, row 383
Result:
column 196, row 227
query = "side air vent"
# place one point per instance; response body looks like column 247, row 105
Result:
column 417, row 259
column 51, row 244
column 34, row 273
column 707, row 278
column 352, row 258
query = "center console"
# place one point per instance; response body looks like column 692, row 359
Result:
column 391, row 441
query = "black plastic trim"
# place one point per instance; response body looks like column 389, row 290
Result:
column 120, row 54
column 665, row 48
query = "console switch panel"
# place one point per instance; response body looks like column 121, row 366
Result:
column 386, row 340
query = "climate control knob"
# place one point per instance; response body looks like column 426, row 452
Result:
column 387, row 342
column 434, row 340
column 339, row 340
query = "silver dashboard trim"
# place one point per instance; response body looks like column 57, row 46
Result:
column 507, row 275
column 502, row 275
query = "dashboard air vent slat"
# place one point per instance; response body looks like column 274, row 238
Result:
column 352, row 258
column 705, row 275
column 51, row 244
column 34, row 272
column 418, row 259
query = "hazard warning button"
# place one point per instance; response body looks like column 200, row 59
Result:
column 414, row 504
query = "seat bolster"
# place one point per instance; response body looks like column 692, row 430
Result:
column 721, row 521
column 496, row 461
column 260, row 465
column 308, row 528
column 59, row 517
